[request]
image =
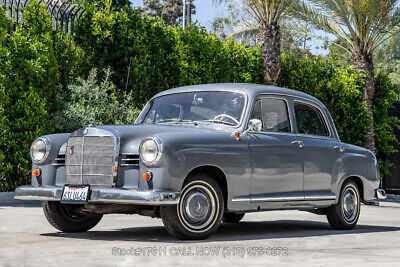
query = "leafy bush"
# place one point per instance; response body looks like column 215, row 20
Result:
column 28, row 79
column 386, row 93
column 341, row 90
column 4, row 24
column 147, row 57
column 90, row 96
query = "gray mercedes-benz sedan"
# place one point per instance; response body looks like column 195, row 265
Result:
column 202, row 154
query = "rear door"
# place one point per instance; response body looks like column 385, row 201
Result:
column 321, row 149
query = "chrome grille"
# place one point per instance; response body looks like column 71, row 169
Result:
column 60, row 160
column 129, row 160
column 90, row 160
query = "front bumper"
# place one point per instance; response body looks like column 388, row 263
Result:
column 102, row 195
column 380, row 193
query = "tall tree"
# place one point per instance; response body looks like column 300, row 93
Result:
column 171, row 11
column 265, row 18
column 361, row 26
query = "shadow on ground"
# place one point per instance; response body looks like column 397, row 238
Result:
column 228, row 232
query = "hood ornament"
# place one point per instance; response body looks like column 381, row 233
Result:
column 92, row 118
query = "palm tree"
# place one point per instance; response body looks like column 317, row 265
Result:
column 265, row 18
column 362, row 25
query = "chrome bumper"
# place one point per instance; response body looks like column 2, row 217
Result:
column 380, row 193
column 102, row 195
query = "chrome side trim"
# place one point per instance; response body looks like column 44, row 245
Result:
column 320, row 197
column 241, row 199
column 293, row 198
column 277, row 199
column 103, row 195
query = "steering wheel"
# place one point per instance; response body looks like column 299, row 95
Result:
column 227, row 116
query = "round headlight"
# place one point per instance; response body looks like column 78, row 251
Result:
column 150, row 151
column 40, row 150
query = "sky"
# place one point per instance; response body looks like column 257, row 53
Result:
column 207, row 11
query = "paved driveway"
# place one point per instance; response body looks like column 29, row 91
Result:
column 296, row 238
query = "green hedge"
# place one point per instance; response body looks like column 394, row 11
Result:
column 29, row 81
column 147, row 57
column 341, row 90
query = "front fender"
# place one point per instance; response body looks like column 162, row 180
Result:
column 183, row 154
column 49, row 171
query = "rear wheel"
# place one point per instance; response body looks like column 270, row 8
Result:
column 344, row 215
column 66, row 218
column 232, row 217
column 199, row 212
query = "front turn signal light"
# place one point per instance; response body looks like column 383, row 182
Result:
column 36, row 172
column 147, row 176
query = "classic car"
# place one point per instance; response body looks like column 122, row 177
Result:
column 201, row 155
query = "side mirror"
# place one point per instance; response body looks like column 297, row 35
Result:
column 255, row 125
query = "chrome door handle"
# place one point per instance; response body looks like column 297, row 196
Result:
column 340, row 148
column 298, row 143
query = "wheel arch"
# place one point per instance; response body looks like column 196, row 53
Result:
column 359, row 182
column 217, row 174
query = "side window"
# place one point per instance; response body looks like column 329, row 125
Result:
column 273, row 113
column 256, row 114
column 309, row 120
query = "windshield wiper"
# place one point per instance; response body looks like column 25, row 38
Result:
column 221, row 122
column 176, row 121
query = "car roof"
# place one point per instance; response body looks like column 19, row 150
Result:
column 252, row 90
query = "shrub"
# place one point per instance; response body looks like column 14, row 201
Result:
column 341, row 90
column 91, row 96
column 29, row 76
column 386, row 93
column 147, row 57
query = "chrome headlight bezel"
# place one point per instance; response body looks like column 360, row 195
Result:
column 47, row 147
column 158, row 144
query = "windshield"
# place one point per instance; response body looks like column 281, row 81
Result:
column 193, row 107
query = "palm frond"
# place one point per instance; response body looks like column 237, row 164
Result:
column 363, row 24
column 245, row 31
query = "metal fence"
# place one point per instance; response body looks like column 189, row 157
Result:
column 63, row 14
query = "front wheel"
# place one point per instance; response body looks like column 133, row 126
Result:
column 344, row 215
column 199, row 212
column 66, row 218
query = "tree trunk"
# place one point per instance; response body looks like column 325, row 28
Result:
column 363, row 62
column 270, row 41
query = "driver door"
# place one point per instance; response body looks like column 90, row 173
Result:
column 277, row 157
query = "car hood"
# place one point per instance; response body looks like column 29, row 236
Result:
column 132, row 135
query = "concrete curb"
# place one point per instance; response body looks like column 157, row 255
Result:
column 7, row 199
column 6, row 196
column 391, row 197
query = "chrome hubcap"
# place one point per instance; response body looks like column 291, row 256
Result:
column 350, row 204
column 197, row 208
